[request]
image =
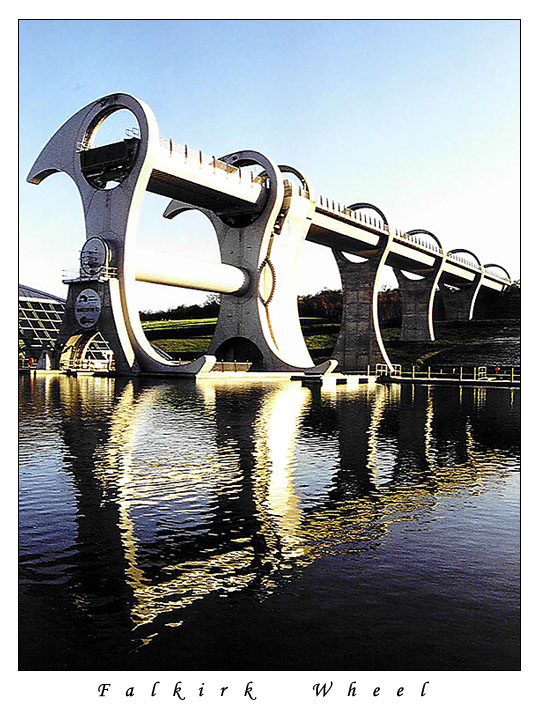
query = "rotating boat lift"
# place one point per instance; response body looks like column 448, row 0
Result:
column 261, row 223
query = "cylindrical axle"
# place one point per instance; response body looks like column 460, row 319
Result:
column 185, row 272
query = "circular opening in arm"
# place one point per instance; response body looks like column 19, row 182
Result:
column 110, row 148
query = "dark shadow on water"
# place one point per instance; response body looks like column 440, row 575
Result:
column 267, row 527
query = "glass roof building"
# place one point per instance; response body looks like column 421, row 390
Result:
column 40, row 317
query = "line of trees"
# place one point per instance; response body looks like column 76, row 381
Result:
column 326, row 304
column 208, row 309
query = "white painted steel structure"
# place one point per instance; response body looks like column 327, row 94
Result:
column 261, row 221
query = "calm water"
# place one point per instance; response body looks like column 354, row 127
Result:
column 172, row 525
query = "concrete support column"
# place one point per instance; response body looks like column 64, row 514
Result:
column 109, row 321
column 459, row 304
column 359, row 342
column 417, row 297
column 261, row 323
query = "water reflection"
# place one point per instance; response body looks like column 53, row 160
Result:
column 186, row 490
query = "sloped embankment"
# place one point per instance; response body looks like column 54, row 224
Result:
column 479, row 342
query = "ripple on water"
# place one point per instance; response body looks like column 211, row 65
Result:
column 142, row 503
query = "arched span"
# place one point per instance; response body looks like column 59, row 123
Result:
column 368, row 206
column 417, row 288
column 412, row 232
column 467, row 251
column 497, row 266
column 339, row 255
column 306, row 182
column 459, row 300
column 270, row 173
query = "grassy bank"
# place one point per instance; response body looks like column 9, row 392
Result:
column 482, row 342
column 476, row 342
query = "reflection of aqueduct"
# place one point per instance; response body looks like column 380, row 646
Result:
column 261, row 223
column 241, row 505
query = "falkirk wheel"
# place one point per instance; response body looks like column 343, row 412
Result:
column 261, row 223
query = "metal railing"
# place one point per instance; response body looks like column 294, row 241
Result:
column 354, row 215
column 27, row 363
column 463, row 260
column 197, row 157
column 422, row 242
column 86, row 364
column 382, row 369
column 234, row 366
column 453, row 373
column 491, row 272
column 332, row 206
column 74, row 274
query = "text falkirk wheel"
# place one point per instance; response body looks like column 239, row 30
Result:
column 260, row 223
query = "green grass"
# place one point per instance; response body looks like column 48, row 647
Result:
column 191, row 337
column 320, row 342
column 458, row 342
column 180, row 324
column 183, row 345
column 195, row 322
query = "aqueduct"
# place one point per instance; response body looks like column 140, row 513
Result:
column 261, row 222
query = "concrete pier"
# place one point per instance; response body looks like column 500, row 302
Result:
column 459, row 299
column 417, row 307
column 417, row 297
column 359, row 342
column 459, row 303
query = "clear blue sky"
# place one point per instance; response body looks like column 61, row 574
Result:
column 419, row 117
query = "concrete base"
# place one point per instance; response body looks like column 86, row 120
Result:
column 333, row 380
column 110, row 324
column 224, row 376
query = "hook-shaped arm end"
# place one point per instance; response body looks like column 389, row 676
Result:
column 59, row 153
